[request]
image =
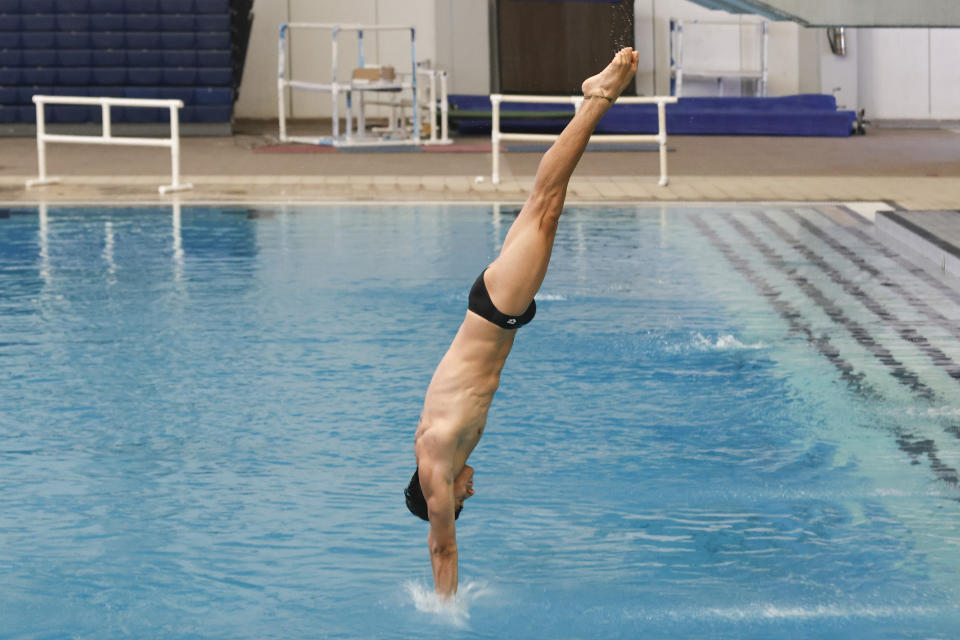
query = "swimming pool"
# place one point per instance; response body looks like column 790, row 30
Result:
column 736, row 422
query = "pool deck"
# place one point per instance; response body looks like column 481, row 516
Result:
column 916, row 169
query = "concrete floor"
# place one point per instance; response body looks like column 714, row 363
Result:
column 915, row 169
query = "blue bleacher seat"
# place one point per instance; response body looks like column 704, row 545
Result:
column 185, row 76
column 212, row 23
column 73, row 39
column 38, row 6
column 109, row 58
column 27, row 115
column 213, row 40
column 145, row 58
column 73, row 22
column 38, row 75
column 212, row 96
column 212, row 6
column 213, row 58
column 143, row 40
column 139, row 48
column 10, row 57
column 178, row 6
column 177, row 93
column 107, row 6
column 110, row 75
column 75, row 57
column 144, row 6
column 143, row 22
column 139, row 115
column 145, row 76
column 9, row 22
column 11, row 40
column 25, row 94
column 105, row 92
column 186, row 40
column 179, row 58
column 74, row 76
column 40, row 22
column 38, row 39
column 107, row 22
column 39, row 57
column 206, row 113
column 108, row 40
column 212, row 77
column 150, row 93
column 177, row 22
column 10, row 76
column 72, row 113
column 73, row 6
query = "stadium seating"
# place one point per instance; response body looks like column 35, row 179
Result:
column 188, row 49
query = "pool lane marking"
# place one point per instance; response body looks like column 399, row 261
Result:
column 903, row 329
column 914, row 269
column 900, row 372
column 788, row 312
column 908, row 443
column 950, row 326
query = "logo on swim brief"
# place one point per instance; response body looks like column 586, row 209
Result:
column 512, row 321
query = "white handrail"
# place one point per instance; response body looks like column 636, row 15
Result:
column 106, row 136
column 334, row 86
column 496, row 135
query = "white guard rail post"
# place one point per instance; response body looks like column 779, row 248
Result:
column 496, row 135
column 107, row 137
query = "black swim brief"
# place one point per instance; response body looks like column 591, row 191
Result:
column 480, row 304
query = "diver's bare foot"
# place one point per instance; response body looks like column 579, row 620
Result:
column 611, row 82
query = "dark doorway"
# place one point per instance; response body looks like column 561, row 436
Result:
column 551, row 46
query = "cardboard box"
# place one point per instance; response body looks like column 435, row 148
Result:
column 374, row 74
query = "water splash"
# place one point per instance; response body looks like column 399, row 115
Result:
column 725, row 342
column 453, row 611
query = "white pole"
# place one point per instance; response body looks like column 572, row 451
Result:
column 678, row 87
column 107, row 123
column 281, row 82
column 433, row 106
column 763, row 79
column 175, row 146
column 662, row 133
column 495, row 137
column 41, row 141
column 333, row 83
column 444, row 108
column 413, row 80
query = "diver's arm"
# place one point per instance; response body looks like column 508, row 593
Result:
column 442, row 540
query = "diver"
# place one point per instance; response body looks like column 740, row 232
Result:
column 500, row 302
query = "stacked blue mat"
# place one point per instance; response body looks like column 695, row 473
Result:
column 116, row 48
column 799, row 115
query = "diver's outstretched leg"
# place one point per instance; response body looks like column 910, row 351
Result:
column 517, row 273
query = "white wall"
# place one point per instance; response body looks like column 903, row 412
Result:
column 822, row 71
column 893, row 73
column 716, row 46
column 910, row 74
column 310, row 50
column 463, row 44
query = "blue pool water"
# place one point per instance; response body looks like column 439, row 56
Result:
column 723, row 423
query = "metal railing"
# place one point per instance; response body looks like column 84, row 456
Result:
column 660, row 137
column 107, row 137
